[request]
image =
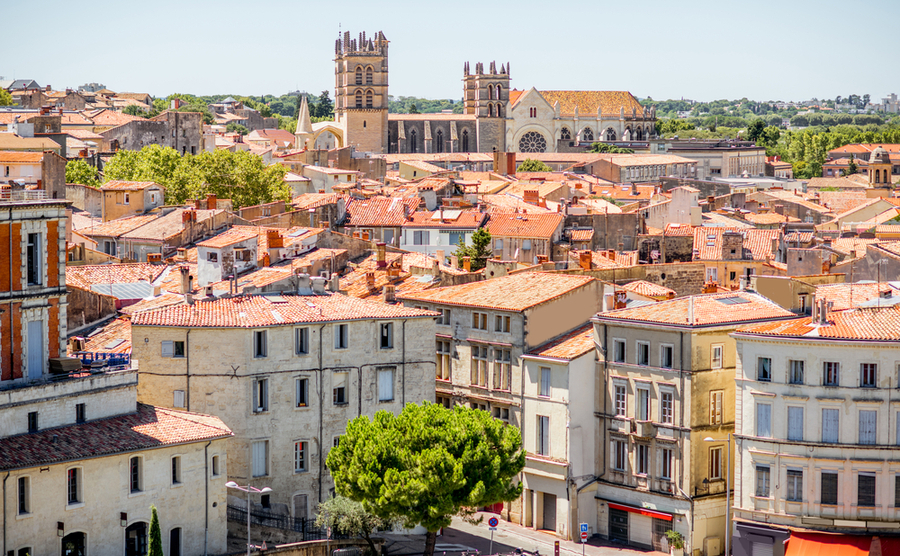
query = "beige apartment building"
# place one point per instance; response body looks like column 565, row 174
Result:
column 285, row 373
column 127, row 198
column 667, row 383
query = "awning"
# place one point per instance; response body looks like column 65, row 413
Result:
column 835, row 544
column 642, row 511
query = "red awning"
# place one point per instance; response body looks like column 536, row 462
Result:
column 642, row 511
column 827, row 544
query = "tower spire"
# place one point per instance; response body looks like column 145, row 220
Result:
column 304, row 125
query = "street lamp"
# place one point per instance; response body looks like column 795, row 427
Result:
column 248, row 489
column 727, row 492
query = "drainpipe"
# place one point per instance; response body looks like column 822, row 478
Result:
column 5, row 511
column 403, row 380
column 187, row 372
column 681, row 424
column 321, row 410
column 206, row 497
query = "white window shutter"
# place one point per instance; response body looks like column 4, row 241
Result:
column 830, row 424
column 763, row 420
column 168, row 349
column 255, row 388
column 795, row 423
column 385, row 385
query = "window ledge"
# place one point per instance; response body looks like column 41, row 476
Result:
column 29, row 515
column 74, row 506
column 300, row 471
column 176, row 485
column 302, row 407
column 137, row 493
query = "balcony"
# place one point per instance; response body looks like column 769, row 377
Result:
column 14, row 195
column 645, row 429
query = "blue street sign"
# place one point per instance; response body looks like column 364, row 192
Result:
column 584, row 528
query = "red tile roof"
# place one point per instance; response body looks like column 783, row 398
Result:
column 569, row 346
column 85, row 276
column 846, row 296
column 168, row 225
column 21, row 157
column 121, row 185
column 708, row 242
column 149, row 427
column 114, row 337
column 455, row 219
column 380, row 211
column 313, row 200
column 515, row 292
column 254, row 311
column 648, row 289
column 861, row 323
column 581, row 234
column 525, row 225
column 163, row 300
column 118, row 227
column 230, row 237
column 715, row 309
column 508, row 203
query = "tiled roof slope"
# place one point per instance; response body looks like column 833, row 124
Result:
column 149, row 427
column 119, row 226
column 708, row 242
column 469, row 219
column 643, row 287
column 861, row 323
column 515, row 292
column 120, row 185
column 588, row 102
column 257, row 310
column 524, row 225
column 846, row 296
column 85, row 276
column 115, row 337
column 715, row 309
column 569, row 346
column 380, row 211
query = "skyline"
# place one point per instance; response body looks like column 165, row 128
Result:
column 705, row 51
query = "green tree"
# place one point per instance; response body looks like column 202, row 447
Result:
column 79, row 171
column 413, row 109
column 324, row 107
column 607, row 148
column 134, row 110
column 155, row 548
column 6, row 99
column 236, row 128
column 755, row 129
column 479, row 252
column 348, row 517
column 427, row 464
column 852, row 168
column 531, row 165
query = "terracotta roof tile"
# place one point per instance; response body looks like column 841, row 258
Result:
column 569, row 346
column 149, row 427
column 21, row 157
column 715, row 309
column 861, row 323
column 508, row 203
column 168, row 225
column 120, row 185
column 846, row 296
column 581, row 234
column 455, row 219
column 847, row 244
column 163, row 300
column 768, row 218
column 230, row 237
column 118, row 227
column 524, row 225
column 708, row 242
column 588, row 101
column 649, row 289
column 314, row 200
column 84, row 276
column 114, row 337
column 380, row 211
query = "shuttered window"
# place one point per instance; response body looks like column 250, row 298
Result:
column 643, row 404
column 716, row 399
column 831, row 425
column 795, row 423
column 764, row 369
column 621, row 403
column 665, row 455
column 829, row 488
column 867, row 426
column 764, row 420
column 619, row 455
column 796, row 376
column 260, row 395
column 896, row 490
column 260, row 458
column 543, row 435
column 762, row 481
column 545, row 382
column 831, row 373
column 794, row 485
column 385, row 385
column 866, row 490
column 666, row 406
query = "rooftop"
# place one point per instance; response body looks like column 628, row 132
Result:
column 524, row 225
column 120, row 185
column 380, row 211
column 860, row 323
column 715, row 309
column 569, row 346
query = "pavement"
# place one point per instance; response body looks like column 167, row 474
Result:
column 463, row 537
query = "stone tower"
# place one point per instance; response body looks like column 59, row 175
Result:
column 361, row 91
column 879, row 168
column 303, row 137
column 486, row 95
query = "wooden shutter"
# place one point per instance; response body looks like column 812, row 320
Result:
column 168, row 349
column 867, row 426
column 259, row 458
column 795, row 423
column 830, row 424
column 763, row 420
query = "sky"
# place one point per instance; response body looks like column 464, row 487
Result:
column 664, row 49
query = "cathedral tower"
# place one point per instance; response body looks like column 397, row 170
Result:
column 486, row 95
column 361, row 91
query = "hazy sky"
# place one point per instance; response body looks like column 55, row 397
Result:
column 702, row 50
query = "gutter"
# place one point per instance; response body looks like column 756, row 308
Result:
column 4, row 511
column 206, row 498
column 321, row 409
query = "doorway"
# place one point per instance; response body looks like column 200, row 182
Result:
column 549, row 522
column 35, row 349
column 136, row 539
column 73, row 544
column 618, row 526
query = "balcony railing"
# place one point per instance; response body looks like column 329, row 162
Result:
column 22, row 194
column 102, row 360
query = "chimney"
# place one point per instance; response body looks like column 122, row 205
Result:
column 48, row 88
column 823, row 311
column 181, row 254
column 711, row 200
column 189, row 298
column 211, row 202
column 710, row 287
column 511, row 164
column 154, row 258
column 670, row 295
column 387, row 293
column 621, row 297
column 467, row 264
column 370, row 280
column 334, row 284
column 584, row 260
column 198, row 204
column 611, row 254
column 439, row 254
column 266, row 259
column 454, row 261
column 380, row 255
column 541, row 259
column 531, row 196
column 185, row 283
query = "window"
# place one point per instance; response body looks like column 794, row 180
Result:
column 868, row 375
column 301, row 341
column 896, row 491
column 178, row 398
column 619, row 455
column 716, row 399
column 526, row 245
column 260, row 460
column 369, row 97
column 336, row 441
column 831, row 425
column 666, row 407
column 764, row 369
column 301, row 388
column 643, row 404
column 442, row 368
column 32, row 421
column 260, row 395
column 340, row 336
column 300, row 451
column 796, row 372
column 176, row 470
column 762, row 481
column 621, row 400
column 794, row 485
column 619, row 351
column 643, row 353
column 73, row 485
column 212, row 257
column 34, row 260
column 643, row 459
column 565, row 134
column 420, row 237
column 385, row 385
column 445, row 317
column 544, row 389
column 386, row 335
column 339, row 394
column 501, row 323
column 665, row 464
column 259, row 343
column 829, row 487
column 80, row 413
column 795, row 423
column 479, row 321
column 715, row 463
column 665, row 356
column 479, row 365
column 717, row 356
column 359, row 96
column 502, row 369
column 24, row 484
column 867, row 426
column 175, row 542
column 831, row 371
column 543, row 435
column 498, row 244
column 172, row 349
column 501, row 413
column 764, row 420
column 215, row 466
column 134, row 474
column 532, row 141
column 865, row 495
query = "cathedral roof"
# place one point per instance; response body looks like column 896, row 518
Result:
column 587, row 102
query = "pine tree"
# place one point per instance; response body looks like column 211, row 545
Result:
column 155, row 534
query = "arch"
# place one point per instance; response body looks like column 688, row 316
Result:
column 499, row 110
column 370, row 95
column 74, row 544
column 532, row 142
column 412, row 141
column 877, row 175
column 610, row 134
column 497, row 91
column 136, row 539
column 465, row 141
column 359, row 75
column 439, row 138
column 359, row 98
column 639, row 134
column 565, row 134
column 490, row 91
column 369, row 75
column 323, row 132
column 646, row 132
column 490, row 110
column 587, row 134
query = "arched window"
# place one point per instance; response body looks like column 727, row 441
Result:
column 136, row 539
column 358, row 75
column 532, row 112
column 490, row 91
column 587, row 134
column 610, row 134
column 490, row 110
column 359, row 103
column 369, row 95
column 640, row 134
column 499, row 111
column 565, row 134
column 439, row 137
column 497, row 92
column 369, row 72
column 532, row 142
column 412, row 141
column 465, row 141
column 74, row 544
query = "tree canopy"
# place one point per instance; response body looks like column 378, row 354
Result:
column 479, row 252
column 427, row 464
column 607, row 148
column 349, row 517
column 79, row 171
column 6, row 99
column 531, row 165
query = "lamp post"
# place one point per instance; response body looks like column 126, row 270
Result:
column 727, row 492
column 249, row 490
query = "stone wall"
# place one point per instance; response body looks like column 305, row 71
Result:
column 672, row 249
column 610, row 230
column 88, row 199
column 86, row 307
column 684, row 278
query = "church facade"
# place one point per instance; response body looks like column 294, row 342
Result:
column 495, row 117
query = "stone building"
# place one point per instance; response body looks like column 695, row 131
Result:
column 128, row 198
column 285, row 373
column 181, row 131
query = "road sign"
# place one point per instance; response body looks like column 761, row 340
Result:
column 584, row 528
column 584, row 537
column 493, row 522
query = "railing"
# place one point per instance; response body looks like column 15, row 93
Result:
column 22, row 194
column 306, row 527
column 102, row 360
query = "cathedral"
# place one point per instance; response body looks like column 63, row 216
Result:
column 495, row 118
